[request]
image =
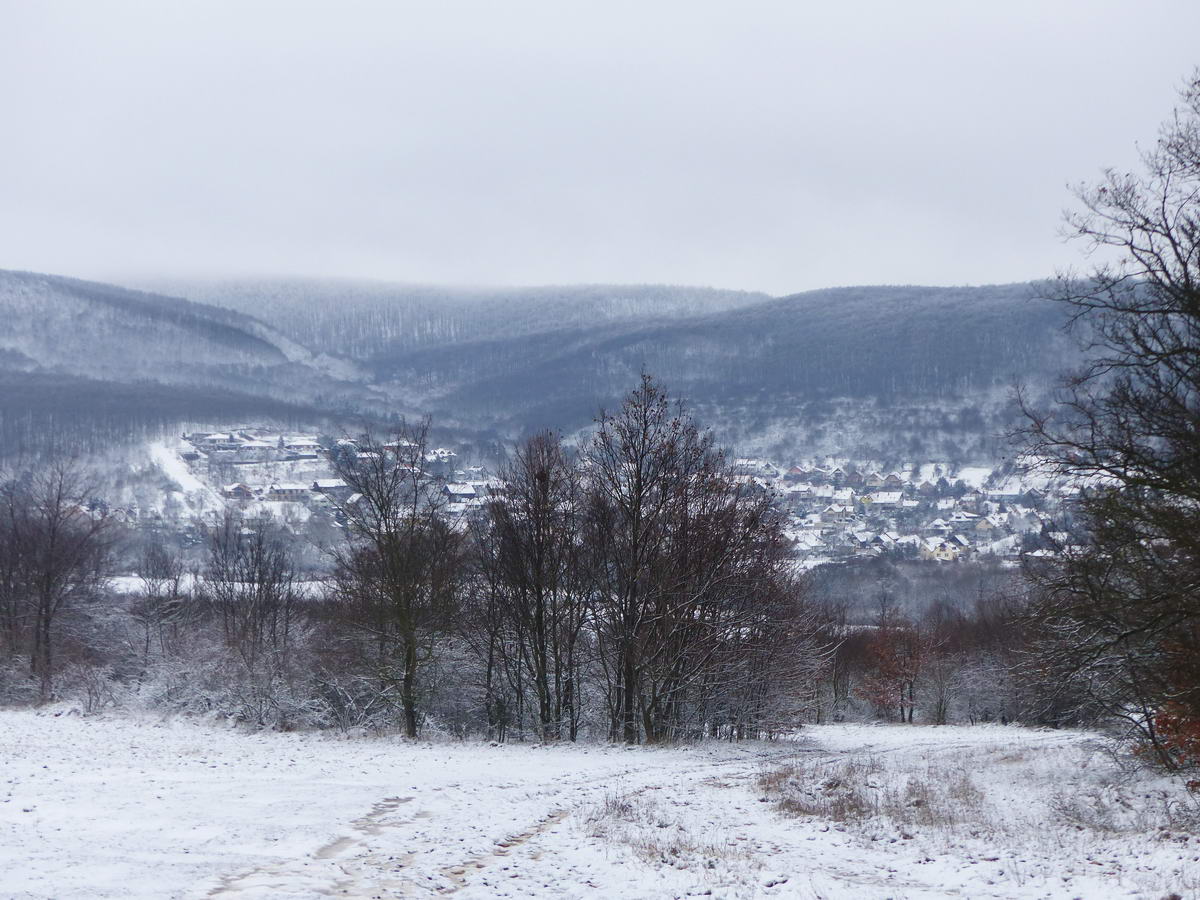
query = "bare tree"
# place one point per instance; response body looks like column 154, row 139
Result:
column 536, row 562
column 1120, row 621
column 682, row 554
column 13, row 612
column 163, row 604
column 765, row 680
column 250, row 587
column 484, row 624
column 399, row 576
column 54, row 552
column 634, row 465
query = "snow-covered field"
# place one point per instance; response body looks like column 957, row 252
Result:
column 148, row 808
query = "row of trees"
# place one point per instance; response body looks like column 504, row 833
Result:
column 633, row 588
column 639, row 564
column 953, row 663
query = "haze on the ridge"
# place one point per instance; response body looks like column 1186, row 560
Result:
column 772, row 146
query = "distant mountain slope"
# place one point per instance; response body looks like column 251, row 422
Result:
column 851, row 342
column 46, row 411
column 362, row 319
column 881, row 367
column 882, row 370
column 80, row 358
column 81, row 327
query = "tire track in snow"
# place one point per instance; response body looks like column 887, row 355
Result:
column 282, row 879
column 460, row 874
column 350, row 865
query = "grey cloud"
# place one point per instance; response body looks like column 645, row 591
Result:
column 775, row 146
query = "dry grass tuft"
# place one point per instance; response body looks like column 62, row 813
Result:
column 861, row 791
column 656, row 835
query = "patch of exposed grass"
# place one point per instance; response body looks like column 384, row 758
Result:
column 1008, row 795
column 657, row 834
column 859, row 790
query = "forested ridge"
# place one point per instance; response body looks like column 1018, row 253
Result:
column 873, row 370
column 889, row 343
column 84, row 365
column 920, row 368
column 365, row 319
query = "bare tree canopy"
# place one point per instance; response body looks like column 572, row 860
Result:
column 692, row 593
column 54, row 550
column 1121, row 617
column 397, row 578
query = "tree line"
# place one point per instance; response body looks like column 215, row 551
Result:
column 634, row 581
column 632, row 586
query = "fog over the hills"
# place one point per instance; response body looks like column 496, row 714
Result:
column 774, row 146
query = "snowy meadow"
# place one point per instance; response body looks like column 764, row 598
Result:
column 117, row 806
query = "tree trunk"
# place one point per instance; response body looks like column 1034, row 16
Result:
column 408, row 690
column 629, row 700
column 41, row 660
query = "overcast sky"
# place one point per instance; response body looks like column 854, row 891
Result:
column 776, row 146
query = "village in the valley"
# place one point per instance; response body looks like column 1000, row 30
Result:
column 837, row 510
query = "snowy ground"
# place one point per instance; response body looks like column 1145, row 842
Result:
column 197, row 495
column 121, row 807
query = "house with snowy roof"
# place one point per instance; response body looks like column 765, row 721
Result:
column 837, row 512
column 459, row 491
column 294, row 492
column 882, row 499
column 237, row 491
